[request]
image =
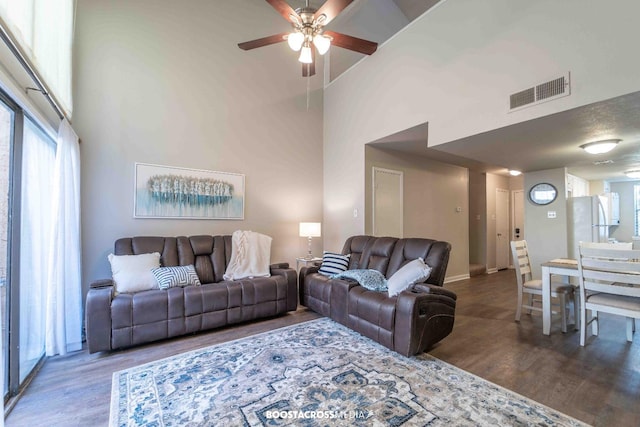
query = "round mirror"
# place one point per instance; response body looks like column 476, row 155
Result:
column 543, row 194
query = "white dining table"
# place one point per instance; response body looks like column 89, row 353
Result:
column 561, row 267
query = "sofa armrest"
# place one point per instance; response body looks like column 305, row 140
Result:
column 282, row 269
column 279, row 265
column 98, row 316
column 433, row 290
column 424, row 315
column 101, row 283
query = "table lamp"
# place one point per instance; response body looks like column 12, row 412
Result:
column 309, row 230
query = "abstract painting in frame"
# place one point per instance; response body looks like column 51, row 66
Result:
column 173, row 192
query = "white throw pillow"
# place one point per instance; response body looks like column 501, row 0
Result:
column 411, row 273
column 132, row 273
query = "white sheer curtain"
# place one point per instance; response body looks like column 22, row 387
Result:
column 36, row 220
column 44, row 30
column 63, row 293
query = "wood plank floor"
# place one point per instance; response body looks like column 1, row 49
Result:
column 598, row 384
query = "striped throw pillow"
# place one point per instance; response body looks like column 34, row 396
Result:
column 333, row 263
column 170, row 277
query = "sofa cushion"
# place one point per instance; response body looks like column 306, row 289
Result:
column 132, row 273
column 413, row 272
column 378, row 253
column 372, row 314
column 170, row 277
column 333, row 263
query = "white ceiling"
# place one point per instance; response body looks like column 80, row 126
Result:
column 545, row 143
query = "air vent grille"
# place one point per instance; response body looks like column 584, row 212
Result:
column 546, row 91
column 549, row 89
column 523, row 98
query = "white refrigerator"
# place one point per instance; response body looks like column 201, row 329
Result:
column 588, row 221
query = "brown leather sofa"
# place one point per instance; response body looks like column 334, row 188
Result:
column 128, row 319
column 409, row 323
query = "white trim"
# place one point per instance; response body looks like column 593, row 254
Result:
column 492, row 270
column 457, row 278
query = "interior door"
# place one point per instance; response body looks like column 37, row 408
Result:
column 502, row 228
column 387, row 202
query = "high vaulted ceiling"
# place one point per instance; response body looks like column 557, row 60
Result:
column 544, row 143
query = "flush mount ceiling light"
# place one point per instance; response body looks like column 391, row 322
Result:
column 514, row 172
column 600, row 147
column 635, row 174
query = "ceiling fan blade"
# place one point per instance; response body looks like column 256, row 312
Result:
column 265, row 41
column 331, row 9
column 283, row 8
column 352, row 43
column 309, row 70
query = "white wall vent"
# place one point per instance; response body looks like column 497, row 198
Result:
column 542, row 92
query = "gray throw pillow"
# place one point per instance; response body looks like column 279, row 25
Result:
column 171, row 277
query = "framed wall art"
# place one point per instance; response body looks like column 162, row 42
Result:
column 173, row 192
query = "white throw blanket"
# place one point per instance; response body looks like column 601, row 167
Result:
column 250, row 255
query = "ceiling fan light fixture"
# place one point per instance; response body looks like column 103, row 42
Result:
column 295, row 40
column 305, row 55
column 322, row 43
column 600, row 147
column 635, row 174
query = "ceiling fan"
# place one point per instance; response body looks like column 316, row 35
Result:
column 308, row 32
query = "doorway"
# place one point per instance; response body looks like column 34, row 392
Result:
column 387, row 209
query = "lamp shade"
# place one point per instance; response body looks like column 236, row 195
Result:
column 305, row 55
column 295, row 40
column 322, row 43
column 310, row 229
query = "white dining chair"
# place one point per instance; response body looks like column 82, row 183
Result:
column 563, row 292
column 609, row 282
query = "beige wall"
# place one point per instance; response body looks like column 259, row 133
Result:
column 161, row 83
column 432, row 192
column 546, row 237
column 455, row 66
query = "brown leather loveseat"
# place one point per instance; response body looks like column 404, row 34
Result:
column 127, row 319
column 408, row 323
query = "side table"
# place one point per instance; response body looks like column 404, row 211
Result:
column 306, row 261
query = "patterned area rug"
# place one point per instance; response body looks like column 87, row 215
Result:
column 317, row 373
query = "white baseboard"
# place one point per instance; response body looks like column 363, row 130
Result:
column 456, row 278
column 492, row 270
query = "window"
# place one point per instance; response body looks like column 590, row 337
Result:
column 27, row 160
column 636, row 206
column 44, row 30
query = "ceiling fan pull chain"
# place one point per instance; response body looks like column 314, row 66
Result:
column 308, row 86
